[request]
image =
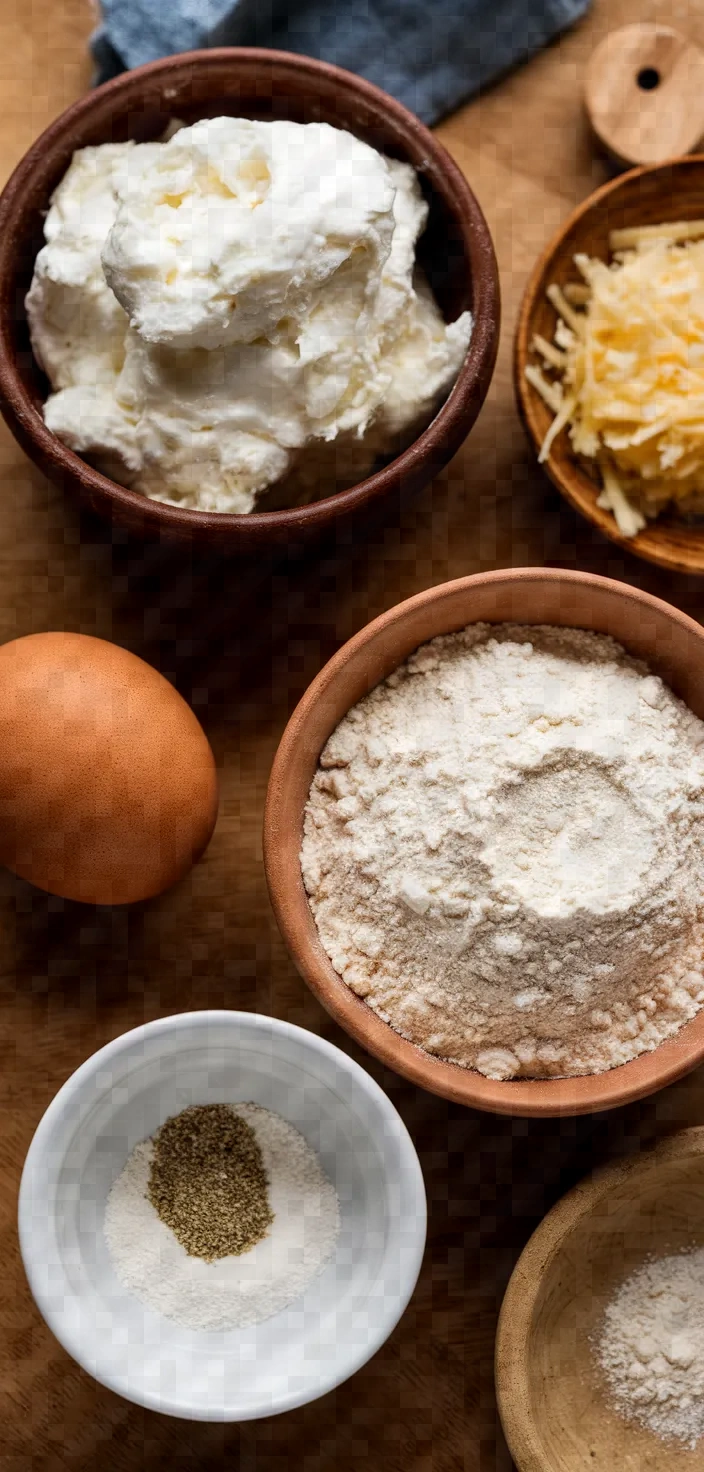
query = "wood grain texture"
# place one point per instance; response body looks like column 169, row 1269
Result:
column 644, row 92
column 554, row 1398
column 243, row 644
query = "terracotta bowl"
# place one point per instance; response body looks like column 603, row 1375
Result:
column 553, row 1398
column 672, row 644
column 673, row 191
column 456, row 251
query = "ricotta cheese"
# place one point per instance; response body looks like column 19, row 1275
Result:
column 240, row 225
column 212, row 311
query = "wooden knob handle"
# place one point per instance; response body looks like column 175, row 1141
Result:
column 644, row 94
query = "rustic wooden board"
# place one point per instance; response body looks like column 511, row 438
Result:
column 72, row 978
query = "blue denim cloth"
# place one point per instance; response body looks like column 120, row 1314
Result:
column 430, row 54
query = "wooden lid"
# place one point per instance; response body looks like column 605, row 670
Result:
column 644, row 94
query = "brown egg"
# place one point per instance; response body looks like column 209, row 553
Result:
column 108, row 790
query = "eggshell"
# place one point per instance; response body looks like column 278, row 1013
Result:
column 108, row 788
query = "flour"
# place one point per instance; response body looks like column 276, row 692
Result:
column 504, row 852
column 232, row 1291
column 651, row 1346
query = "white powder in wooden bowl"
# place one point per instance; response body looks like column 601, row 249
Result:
column 504, row 852
column 651, row 1347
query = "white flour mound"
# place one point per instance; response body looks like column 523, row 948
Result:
column 651, row 1347
column 235, row 1291
column 504, row 852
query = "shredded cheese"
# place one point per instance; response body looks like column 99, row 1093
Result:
column 637, row 235
column 550, row 354
column 568, row 314
column 576, row 293
column 550, row 392
column 628, row 353
column 628, row 520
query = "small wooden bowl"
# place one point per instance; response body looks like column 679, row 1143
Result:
column 667, row 639
column 553, row 1400
column 456, row 251
column 673, row 191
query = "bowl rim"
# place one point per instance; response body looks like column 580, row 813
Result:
column 434, row 446
column 512, row 1343
column 35, row 1228
column 582, row 1094
column 644, row 544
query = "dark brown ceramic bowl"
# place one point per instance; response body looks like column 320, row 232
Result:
column 667, row 639
column 456, row 252
column 649, row 196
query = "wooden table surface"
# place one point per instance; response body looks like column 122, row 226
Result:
column 72, row 978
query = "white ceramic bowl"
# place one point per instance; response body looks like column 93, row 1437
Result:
column 120, row 1096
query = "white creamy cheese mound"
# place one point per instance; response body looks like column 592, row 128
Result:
column 238, row 225
column 78, row 327
column 214, row 310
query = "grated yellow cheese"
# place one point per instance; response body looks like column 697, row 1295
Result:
column 629, row 371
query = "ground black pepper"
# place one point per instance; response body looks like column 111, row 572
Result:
column 208, row 1183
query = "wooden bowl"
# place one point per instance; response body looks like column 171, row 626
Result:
column 553, row 1400
column 672, row 644
column 456, row 252
column 673, row 191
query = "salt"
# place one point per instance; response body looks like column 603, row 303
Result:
column 234, row 1291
